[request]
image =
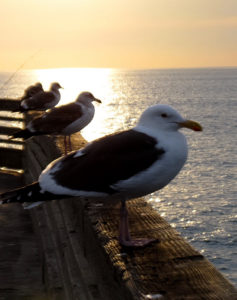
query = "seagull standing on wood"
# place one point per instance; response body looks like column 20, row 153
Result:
column 125, row 165
column 62, row 120
column 42, row 100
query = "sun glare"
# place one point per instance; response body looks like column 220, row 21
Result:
column 74, row 81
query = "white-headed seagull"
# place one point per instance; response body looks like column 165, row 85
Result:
column 125, row 165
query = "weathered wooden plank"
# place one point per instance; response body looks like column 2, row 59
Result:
column 9, row 104
column 11, row 158
column 51, row 274
column 60, row 244
column 171, row 268
column 8, row 130
column 14, row 119
column 11, row 142
column 99, row 285
column 20, row 268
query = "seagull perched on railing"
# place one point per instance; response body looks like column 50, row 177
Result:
column 42, row 100
column 124, row 165
column 62, row 120
column 32, row 90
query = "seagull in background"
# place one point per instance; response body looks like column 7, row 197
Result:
column 124, row 165
column 42, row 100
column 32, row 90
column 62, row 120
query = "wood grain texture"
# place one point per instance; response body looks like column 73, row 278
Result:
column 83, row 259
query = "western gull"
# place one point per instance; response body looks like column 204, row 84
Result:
column 32, row 90
column 42, row 100
column 63, row 120
column 125, row 165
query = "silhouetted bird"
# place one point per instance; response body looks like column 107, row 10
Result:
column 32, row 90
column 42, row 100
column 62, row 120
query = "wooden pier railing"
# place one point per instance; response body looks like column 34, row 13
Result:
column 82, row 259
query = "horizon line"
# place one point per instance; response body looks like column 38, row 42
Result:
column 125, row 68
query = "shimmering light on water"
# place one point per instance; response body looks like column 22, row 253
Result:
column 201, row 202
column 98, row 82
column 74, row 81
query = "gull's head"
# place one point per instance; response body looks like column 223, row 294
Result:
column 39, row 85
column 87, row 97
column 55, row 86
column 164, row 117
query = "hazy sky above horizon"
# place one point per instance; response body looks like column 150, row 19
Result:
column 118, row 34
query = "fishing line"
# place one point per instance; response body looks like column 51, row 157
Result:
column 18, row 69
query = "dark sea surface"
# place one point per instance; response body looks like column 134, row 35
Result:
column 201, row 201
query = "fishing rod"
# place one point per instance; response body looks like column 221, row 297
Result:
column 18, row 69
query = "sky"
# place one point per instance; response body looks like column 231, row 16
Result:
column 117, row 34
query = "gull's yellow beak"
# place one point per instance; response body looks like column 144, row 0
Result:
column 191, row 125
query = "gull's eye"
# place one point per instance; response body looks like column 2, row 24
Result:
column 164, row 115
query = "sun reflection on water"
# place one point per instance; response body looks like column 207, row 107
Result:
column 98, row 82
column 76, row 80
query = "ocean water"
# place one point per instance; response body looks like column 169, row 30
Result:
column 201, row 201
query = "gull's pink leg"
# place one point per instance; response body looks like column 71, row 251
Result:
column 65, row 145
column 69, row 142
column 124, row 234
